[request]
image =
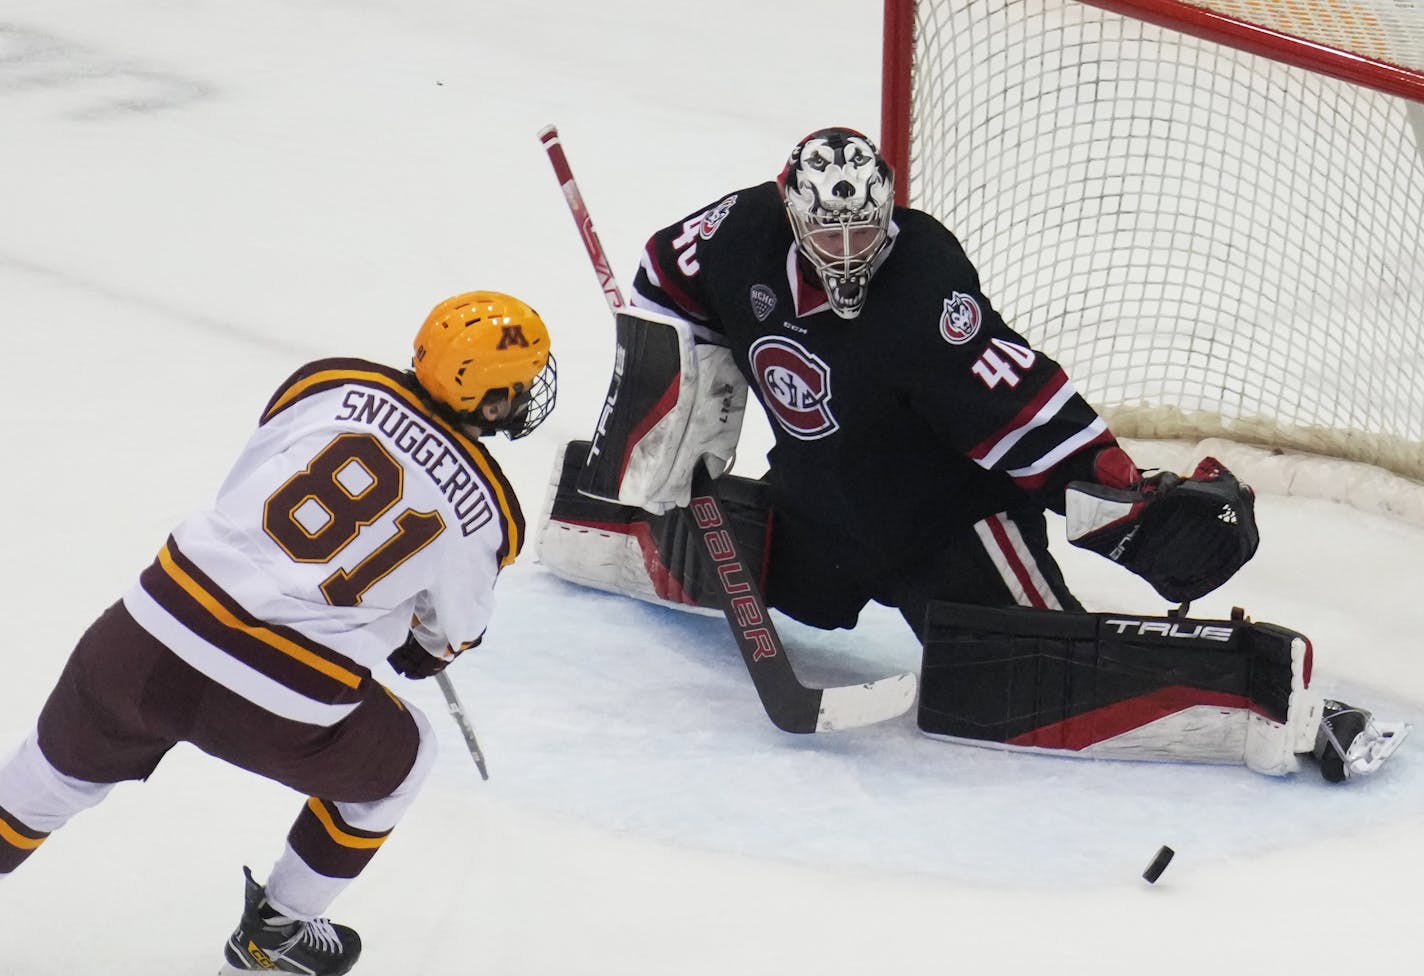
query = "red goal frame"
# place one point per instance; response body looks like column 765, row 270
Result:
column 899, row 40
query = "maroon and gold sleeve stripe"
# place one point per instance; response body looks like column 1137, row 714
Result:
column 17, row 841
column 330, row 845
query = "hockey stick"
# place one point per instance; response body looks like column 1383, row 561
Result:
column 791, row 706
column 457, row 710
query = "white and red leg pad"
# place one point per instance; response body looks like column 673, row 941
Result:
column 1119, row 686
column 626, row 550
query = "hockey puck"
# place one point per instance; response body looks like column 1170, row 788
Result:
column 1158, row 865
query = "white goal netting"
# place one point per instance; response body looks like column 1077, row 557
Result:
column 1214, row 244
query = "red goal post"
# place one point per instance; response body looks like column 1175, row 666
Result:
column 1212, row 214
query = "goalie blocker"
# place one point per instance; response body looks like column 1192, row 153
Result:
column 672, row 404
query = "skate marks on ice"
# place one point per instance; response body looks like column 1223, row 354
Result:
column 73, row 80
column 190, row 319
column 641, row 719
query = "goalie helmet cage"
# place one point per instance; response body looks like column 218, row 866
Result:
column 1214, row 218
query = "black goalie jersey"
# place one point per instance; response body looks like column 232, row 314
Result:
column 921, row 416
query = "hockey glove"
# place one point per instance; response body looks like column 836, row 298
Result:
column 411, row 660
column 1185, row 536
column 673, row 404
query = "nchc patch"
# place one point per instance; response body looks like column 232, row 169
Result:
column 763, row 302
column 961, row 319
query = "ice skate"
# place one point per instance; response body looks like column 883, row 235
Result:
column 1351, row 743
column 267, row 942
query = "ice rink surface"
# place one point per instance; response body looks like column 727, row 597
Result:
column 197, row 197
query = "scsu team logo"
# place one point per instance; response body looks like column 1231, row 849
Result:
column 961, row 319
column 713, row 218
column 700, row 227
column 795, row 386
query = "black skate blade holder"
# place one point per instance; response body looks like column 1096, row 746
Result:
column 1369, row 749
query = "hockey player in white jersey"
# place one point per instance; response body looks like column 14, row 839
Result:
column 363, row 515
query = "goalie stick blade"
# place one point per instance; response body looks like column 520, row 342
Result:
column 855, row 705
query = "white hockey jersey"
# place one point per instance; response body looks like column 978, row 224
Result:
column 353, row 514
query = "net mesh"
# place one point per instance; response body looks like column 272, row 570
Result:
column 1384, row 30
column 1212, row 243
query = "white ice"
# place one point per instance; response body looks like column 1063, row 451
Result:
column 197, row 197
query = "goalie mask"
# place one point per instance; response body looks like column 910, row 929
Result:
column 482, row 348
column 839, row 195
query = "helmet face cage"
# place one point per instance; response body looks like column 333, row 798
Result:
column 839, row 195
column 485, row 348
column 528, row 406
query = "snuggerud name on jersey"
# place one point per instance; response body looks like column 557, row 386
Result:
column 427, row 449
column 378, row 397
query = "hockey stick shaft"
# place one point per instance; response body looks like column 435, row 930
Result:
column 549, row 137
column 457, row 710
column 791, row 705
column 759, row 644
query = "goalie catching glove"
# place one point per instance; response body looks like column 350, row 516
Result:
column 1185, row 536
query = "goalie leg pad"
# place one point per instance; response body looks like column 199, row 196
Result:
column 1118, row 686
column 627, row 550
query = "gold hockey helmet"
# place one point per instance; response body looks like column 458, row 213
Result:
column 487, row 347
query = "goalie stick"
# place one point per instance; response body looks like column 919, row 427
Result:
column 791, row 705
